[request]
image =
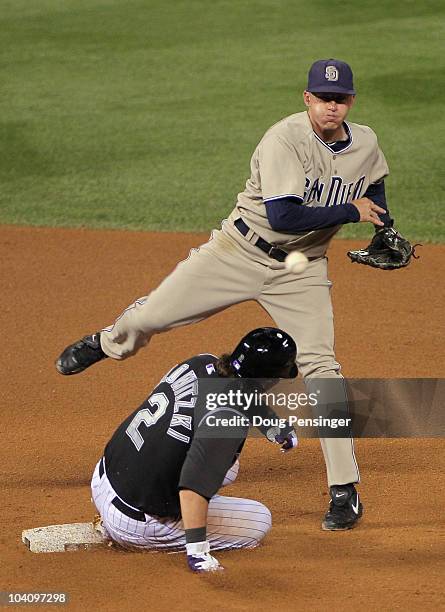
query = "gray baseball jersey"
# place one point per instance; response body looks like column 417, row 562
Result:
column 291, row 160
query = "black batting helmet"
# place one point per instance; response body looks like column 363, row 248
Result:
column 265, row 352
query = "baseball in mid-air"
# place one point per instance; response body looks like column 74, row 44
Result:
column 296, row 262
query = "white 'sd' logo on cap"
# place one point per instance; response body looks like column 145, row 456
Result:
column 331, row 73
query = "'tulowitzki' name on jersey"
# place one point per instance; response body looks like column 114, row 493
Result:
column 185, row 389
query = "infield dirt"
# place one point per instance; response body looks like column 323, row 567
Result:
column 58, row 285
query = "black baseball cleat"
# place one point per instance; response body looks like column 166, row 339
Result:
column 345, row 508
column 81, row 355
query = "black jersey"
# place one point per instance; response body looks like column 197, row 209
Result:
column 154, row 453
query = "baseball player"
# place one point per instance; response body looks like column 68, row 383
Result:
column 156, row 486
column 311, row 173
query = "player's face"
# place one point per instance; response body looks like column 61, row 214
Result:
column 327, row 111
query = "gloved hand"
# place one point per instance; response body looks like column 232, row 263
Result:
column 287, row 442
column 388, row 250
column 199, row 558
column 286, row 437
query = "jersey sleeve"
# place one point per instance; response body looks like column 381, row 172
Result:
column 379, row 169
column 207, row 462
column 281, row 171
column 285, row 215
column 376, row 193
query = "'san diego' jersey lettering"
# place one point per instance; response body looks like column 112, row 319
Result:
column 338, row 191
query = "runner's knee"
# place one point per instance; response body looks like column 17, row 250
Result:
column 262, row 525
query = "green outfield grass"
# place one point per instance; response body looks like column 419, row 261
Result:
column 143, row 114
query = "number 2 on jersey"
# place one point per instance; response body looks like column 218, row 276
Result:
column 146, row 416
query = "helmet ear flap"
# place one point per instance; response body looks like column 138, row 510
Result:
column 293, row 371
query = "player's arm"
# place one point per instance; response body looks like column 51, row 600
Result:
column 194, row 511
column 290, row 215
column 283, row 184
column 207, row 462
column 376, row 193
column 376, row 189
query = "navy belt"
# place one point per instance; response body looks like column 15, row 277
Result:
column 130, row 512
column 262, row 244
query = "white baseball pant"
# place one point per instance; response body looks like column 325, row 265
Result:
column 232, row 522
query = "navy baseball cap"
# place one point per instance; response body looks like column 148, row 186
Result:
column 330, row 76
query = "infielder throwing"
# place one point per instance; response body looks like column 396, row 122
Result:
column 311, row 173
column 156, row 487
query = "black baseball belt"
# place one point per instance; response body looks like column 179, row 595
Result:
column 262, row 244
column 130, row 512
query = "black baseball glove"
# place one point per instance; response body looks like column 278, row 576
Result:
column 387, row 250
